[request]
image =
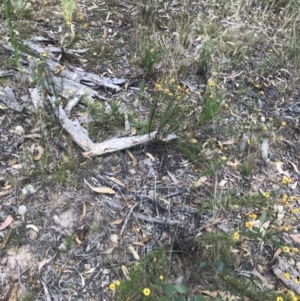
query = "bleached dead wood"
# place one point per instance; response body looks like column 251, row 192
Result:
column 60, row 80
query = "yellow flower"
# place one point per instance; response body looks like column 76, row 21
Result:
column 279, row 299
column 80, row 16
column 253, row 216
column 284, row 197
column 248, row 141
column 287, row 275
column 146, row 291
column 294, row 218
column 249, row 225
column 293, row 198
column 296, row 280
column 44, row 54
column 112, row 286
column 283, row 123
column 294, row 298
column 256, row 85
column 295, row 210
column 118, row 282
column 286, row 203
column 158, row 87
column 295, row 250
column 226, row 106
column 287, row 228
column 161, row 277
column 178, row 88
column 270, row 118
column 286, row 180
column 236, row 236
column 224, row 158
column 28, row 57
column 170, row 94
column 179, row 97
column 85, row 25
column 172, row 81
column 266, row 194
column 264, row 128
column 286, row 249
column 291, row 294
column 211, row 82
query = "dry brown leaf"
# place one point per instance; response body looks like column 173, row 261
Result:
column 116, row 181
column 82, row 216
column 193, row 140
column 6, row 187
column 280, row 170
column 5, row 192
column 222, row 183
column 295, row 238
column 100, row 189
column 109, row 251
column 41, row 264
column 78, row 241
column 33, row 227
column 14, row 293
column 134, row 252
column 234, row 164
column 117, row 221
column 125, row 272
column 137, row 243
column 126, row 85
column 132, row 157
column 278, row 251
column 13, row 161
column 6, row 238
column 262, row 278
column 295, row 167
column 150, row 156
column 9, row 219
column 200, row 182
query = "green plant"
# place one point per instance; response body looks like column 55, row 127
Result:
column 67, row 243
column 145, row 280
column 27, row 296
column 170, row 109
column 212, row 102
column 67, row 8
column 13, row 40
column 151, row 55
column 20, row 6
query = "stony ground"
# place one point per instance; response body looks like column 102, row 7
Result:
column 62, row 239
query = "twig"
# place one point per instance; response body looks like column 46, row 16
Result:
column 160, row 220
column 127, row 218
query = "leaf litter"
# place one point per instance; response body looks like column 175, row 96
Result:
column 74, row 214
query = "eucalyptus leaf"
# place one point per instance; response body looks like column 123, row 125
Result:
column 182, row 289
column 169, row 289
column 180, row 298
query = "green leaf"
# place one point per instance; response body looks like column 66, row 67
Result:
column 263, row 216
column 220, row 265
column 198, row 298
column 169, row 289
column 164, row 298
column 180, row 298
column 203, row 265
column 182, row 289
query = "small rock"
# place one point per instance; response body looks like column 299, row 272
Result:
column 132, row 171
column 19, row 130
